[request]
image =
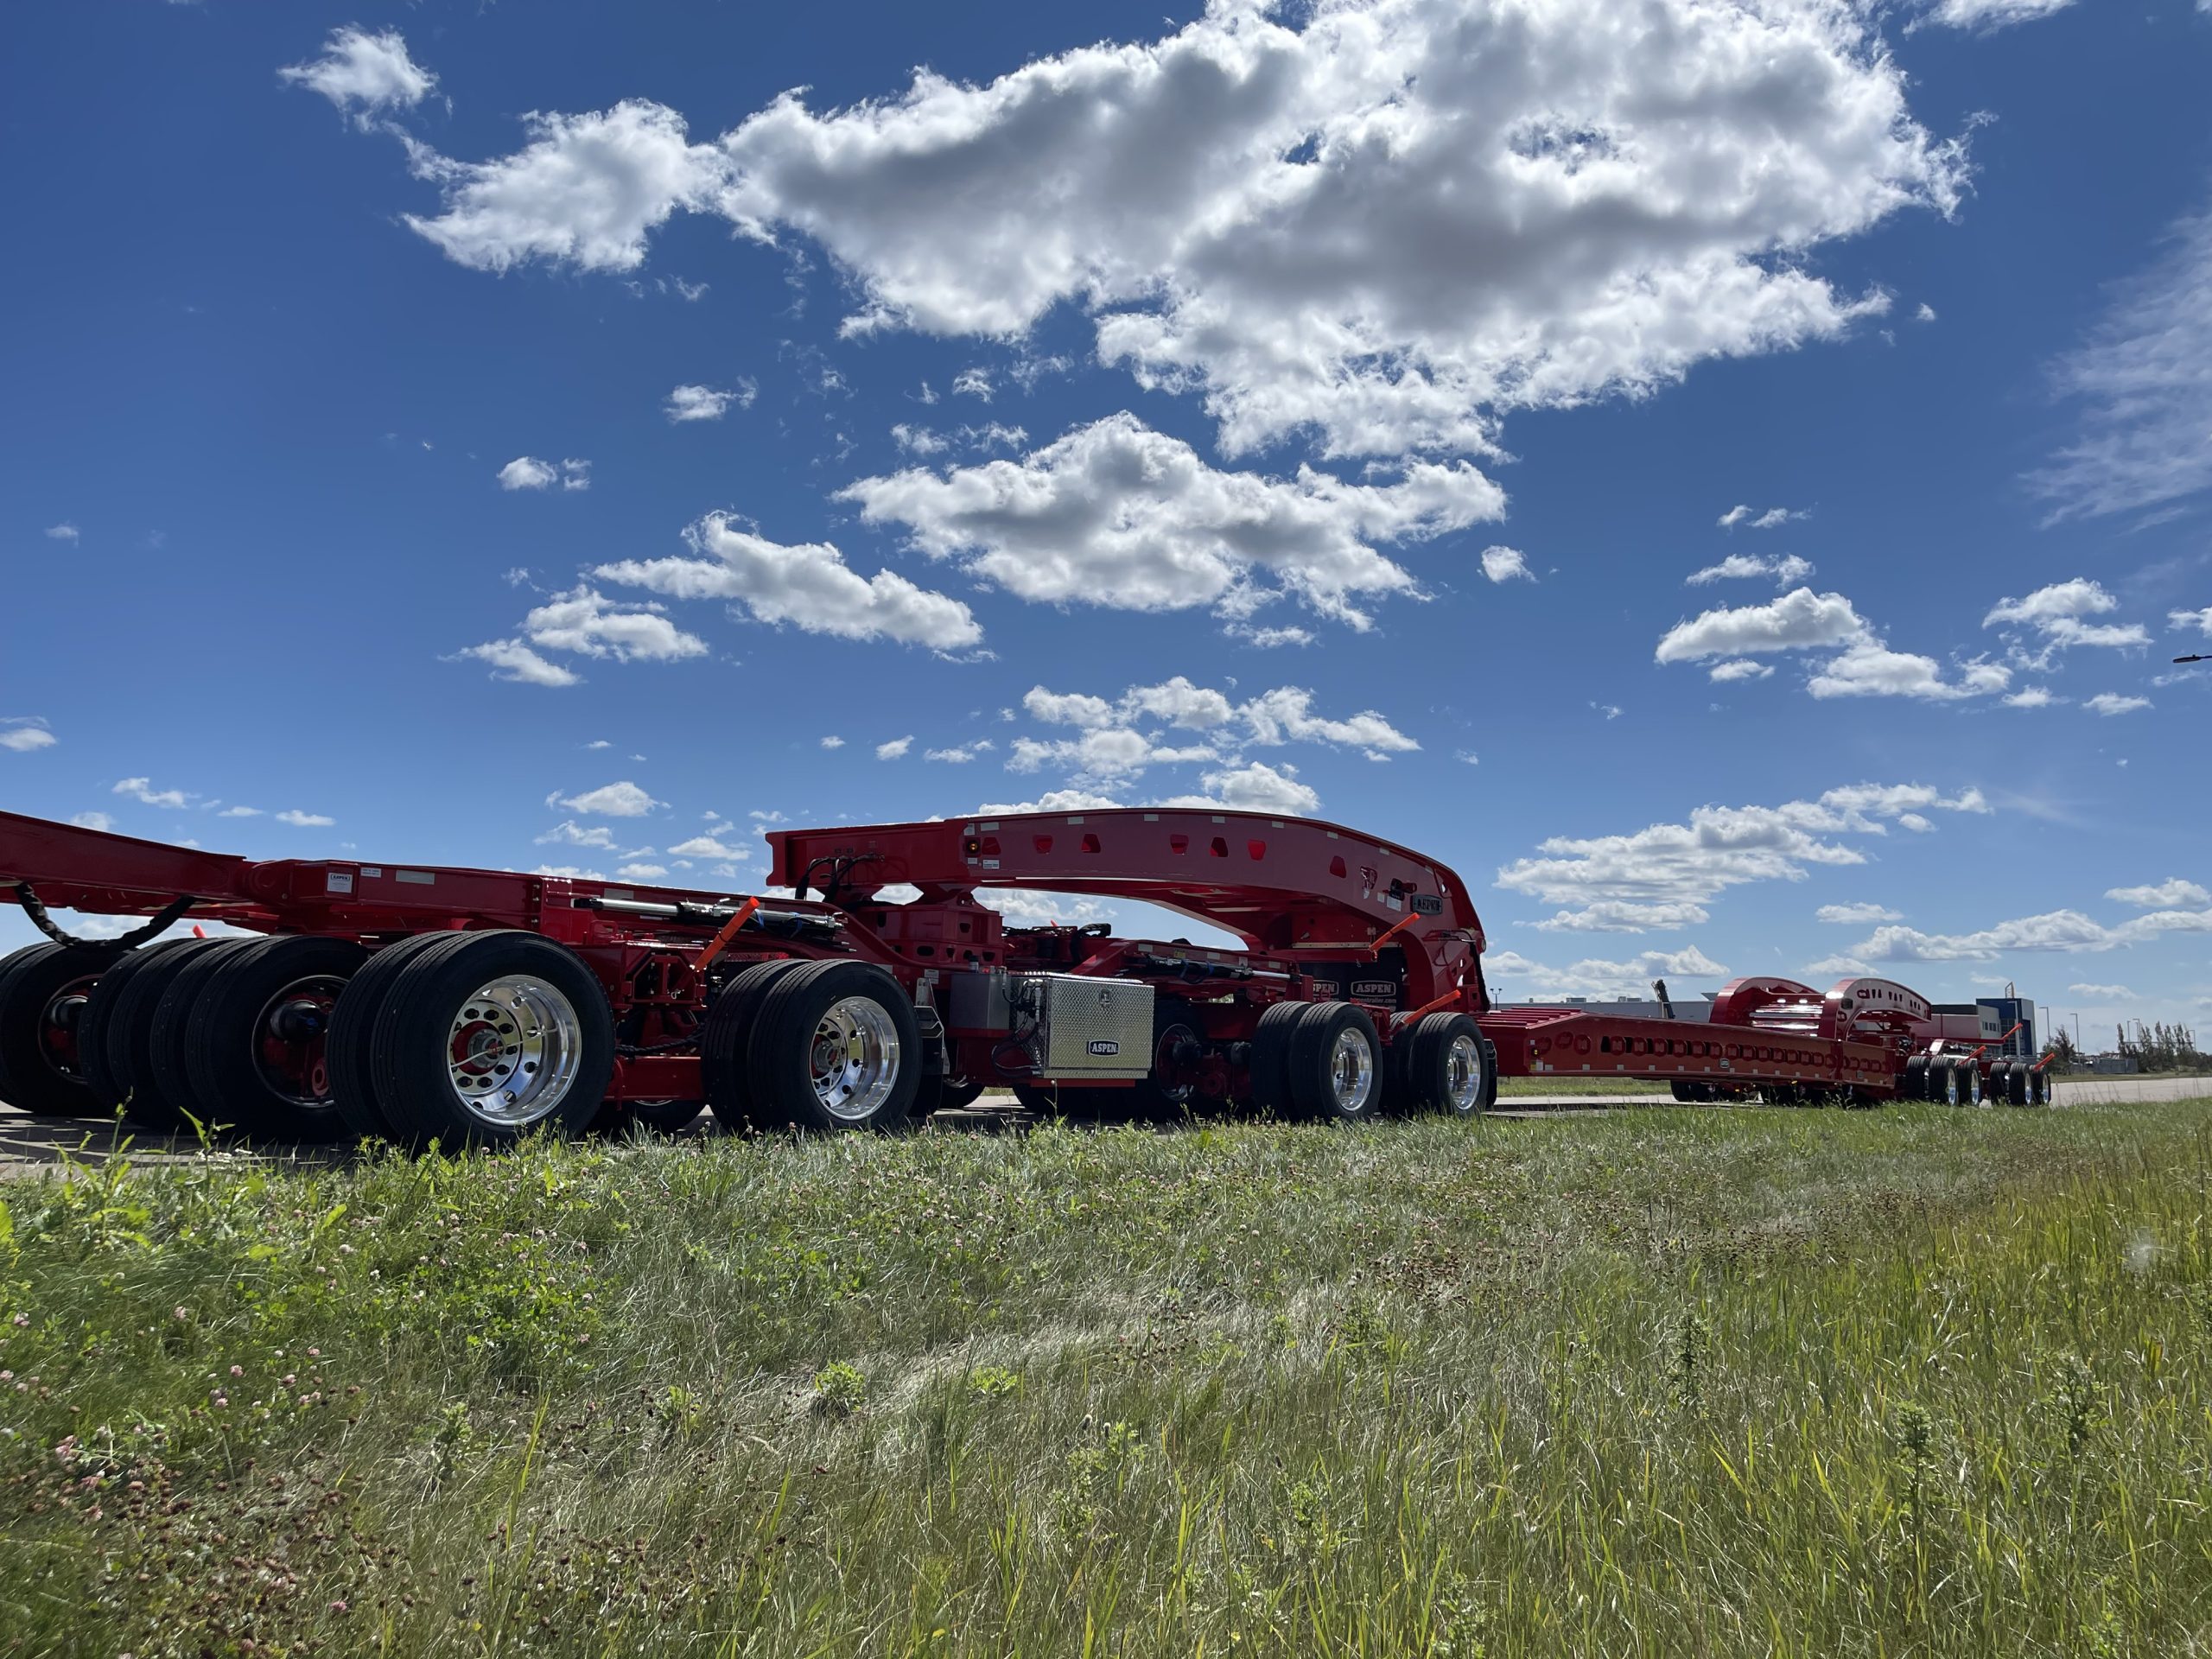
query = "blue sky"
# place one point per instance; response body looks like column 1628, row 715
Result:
column 1696, row 470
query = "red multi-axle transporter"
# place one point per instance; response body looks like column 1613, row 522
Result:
column 423, row 1003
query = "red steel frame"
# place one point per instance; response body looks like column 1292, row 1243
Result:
column 1323, row 912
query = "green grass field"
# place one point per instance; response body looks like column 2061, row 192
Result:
column 1894, row 1383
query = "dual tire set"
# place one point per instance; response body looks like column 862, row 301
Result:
column 464, row 1036
column 1961, row 1083
column 1324, row 1062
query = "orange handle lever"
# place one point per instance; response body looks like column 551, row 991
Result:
column 729, row 931
column 1396, row 928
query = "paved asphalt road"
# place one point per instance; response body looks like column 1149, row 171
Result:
column 29, row 1144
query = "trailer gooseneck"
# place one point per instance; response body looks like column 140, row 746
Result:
column 429, row 1003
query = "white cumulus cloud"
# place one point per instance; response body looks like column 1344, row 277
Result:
column 1255, row 787
column 1720, row 848
column 1855, row 915
column 1782, row 571
column 584, row 622
column 1800, row 620
column 528, row 472
column 1378, row 223
column 300, row 820
column 618, row 800
column 24, row 733
column 1520, row 979
column 1804, row 620
column 141, row 790
column 1117, row 514
column 2113, row 703
column 702, row 402
column 1505, row 564
column 362, row 73
column 808, row 586
column 895, row 749
column 2063, row 930
column 2173, row 893
column 62, row 532
column 510, row 660
column 1756, row 519
column 2054, row 614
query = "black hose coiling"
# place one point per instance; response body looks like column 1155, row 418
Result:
column 28, row 898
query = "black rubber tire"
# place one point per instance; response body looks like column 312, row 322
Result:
column 220, row 1065
column 346, row 1050
column 1311, row 1041
column 1147, row 1101
column 408, row 1062
column 2015, row 1083
column 1914, row 1084
column 1041, row 1098
column 1271, row 1056
column 725, row 1040
column 1425, row 1074
column 97, row 1027
column 952, row 1096
column 148, row 1096
column 167, row 1081
column 31, row 979
column 778, row 1059
column 2043, row 1089
column 661, row 1116
column 1489, row 1075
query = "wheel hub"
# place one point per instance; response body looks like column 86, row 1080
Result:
column 853, row 1058
column 513, row 1050
column 1352, row 1070
column 288, row 1039
column 1463, row 1073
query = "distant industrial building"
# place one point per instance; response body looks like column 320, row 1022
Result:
column 2000, row 1015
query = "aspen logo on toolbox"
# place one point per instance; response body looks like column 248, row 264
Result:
column 1104, row 1046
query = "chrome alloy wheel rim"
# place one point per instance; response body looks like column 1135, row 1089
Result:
column 1352, row 1070
column 1463, row 1074
column 513, row 1050
column 853, row 1058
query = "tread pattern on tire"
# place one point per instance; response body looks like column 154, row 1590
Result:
column 1271, row 1056
column 166, row 1080
column 352, row 1082
column 143, row 1094
column 219, row 1068
column 725, row 1040
column 96, row 1028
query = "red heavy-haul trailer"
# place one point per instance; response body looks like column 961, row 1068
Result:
column 428, row 1003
